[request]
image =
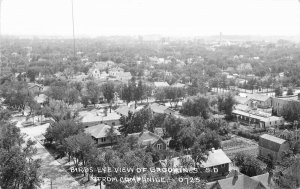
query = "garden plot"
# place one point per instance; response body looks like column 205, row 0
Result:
column 239, row 144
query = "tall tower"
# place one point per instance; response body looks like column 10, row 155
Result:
column 74, row 48
column 220, row 40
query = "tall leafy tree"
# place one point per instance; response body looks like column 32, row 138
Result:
column 197, row 106
column 108, row 92
column 93, row 91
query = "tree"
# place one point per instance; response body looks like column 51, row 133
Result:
column 156, row 122
column 160, row 94
column 93, row 91
column 16, row 95
column 58, row 131
column 291, row 111
column 79, row 147
column 108, row 92
column 127, row 93
column 173, row 126
column 248, row 165
column 59, row 110
column 135, row 122
column 111, row 134
column 187, row 136
column 32, row 73
column 226, row 103
column 290, row 91
column 18, row 169
column 278, row 91
column 197, row 106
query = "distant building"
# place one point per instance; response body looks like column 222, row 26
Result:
column 244, row 67
column 160, row 109
column 256, row 118
column 97, row 74
column 271, row 146
column 161, row 84
column 96, row 117
column 279, row 103
column 241, row 100
column 261, row 101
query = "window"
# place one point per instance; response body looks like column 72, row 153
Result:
column 223, row 165
column 113, row 123
column 103, row 139
column 270, row 123
column 158, row 146
column 275, row 122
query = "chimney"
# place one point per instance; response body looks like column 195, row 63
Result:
column 235, row 177
column 270, row 177
column 213, row 150
column 298, row 96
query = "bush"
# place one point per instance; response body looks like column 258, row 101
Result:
column 248, row 135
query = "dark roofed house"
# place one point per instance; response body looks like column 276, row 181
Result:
column 271, row 146
column 146, row 137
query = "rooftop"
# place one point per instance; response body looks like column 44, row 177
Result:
column 146, row 137
column 240, row 182
column 258, row 97
column 270, row 142
column 161, row 84
column 241, row 100
column 215, row 157
column 100, row 131
column 98, row 115
column 157, row 108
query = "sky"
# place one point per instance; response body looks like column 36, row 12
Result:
column 145, row 17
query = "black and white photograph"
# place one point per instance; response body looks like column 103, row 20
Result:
column 149, row 94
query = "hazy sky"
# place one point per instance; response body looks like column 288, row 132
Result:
column 166, row 17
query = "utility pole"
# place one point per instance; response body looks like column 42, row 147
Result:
column 0, row 38
column 74, row 47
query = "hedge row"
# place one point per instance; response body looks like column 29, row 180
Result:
column 248, row 135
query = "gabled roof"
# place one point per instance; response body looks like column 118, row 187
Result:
column 96, row 116
column 241, row 100
column 123, row 110
column 158, row 108
column 264, row 179
column 99, row 131
column 146, row 137
column 240, row 182
column 258, row 97
column 271, row 142
column 214, row 158
column 31, row 85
